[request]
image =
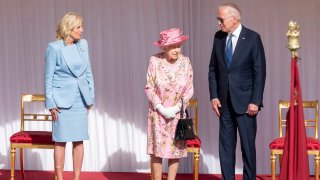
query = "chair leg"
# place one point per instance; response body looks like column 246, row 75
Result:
column 13, row 157
column 21, row 164
column 196, row 157
column 316, row 166
column 273, row 165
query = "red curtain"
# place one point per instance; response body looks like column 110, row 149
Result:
column 295, row 164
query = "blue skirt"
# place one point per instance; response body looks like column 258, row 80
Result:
column 72, row 123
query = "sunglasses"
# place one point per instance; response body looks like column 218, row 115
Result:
column 222, row 20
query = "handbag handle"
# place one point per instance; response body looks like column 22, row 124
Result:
column 181, row 111
column 187, row 114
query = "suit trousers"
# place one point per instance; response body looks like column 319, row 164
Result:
column 229, row 123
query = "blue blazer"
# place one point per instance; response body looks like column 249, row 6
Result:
column 244, row 80
column 62, row 80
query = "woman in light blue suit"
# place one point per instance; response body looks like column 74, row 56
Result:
column 69, row 90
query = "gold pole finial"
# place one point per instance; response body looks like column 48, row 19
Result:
column 293, row 35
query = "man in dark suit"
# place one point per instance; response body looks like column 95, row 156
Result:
column 237, row 73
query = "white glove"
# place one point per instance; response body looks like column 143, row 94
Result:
column 174, row 110
column 168, row 114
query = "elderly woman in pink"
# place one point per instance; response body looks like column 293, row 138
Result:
column 169, row 80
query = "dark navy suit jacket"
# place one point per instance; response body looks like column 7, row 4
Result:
column 244, row 80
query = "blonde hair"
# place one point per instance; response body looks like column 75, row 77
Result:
column 68, row 22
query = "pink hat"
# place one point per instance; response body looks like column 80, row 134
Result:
column 170, row 37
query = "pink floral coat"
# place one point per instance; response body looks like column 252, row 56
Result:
column 166, row 84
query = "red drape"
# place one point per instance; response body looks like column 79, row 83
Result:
column 295, row 164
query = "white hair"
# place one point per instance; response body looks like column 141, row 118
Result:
column 232, row 9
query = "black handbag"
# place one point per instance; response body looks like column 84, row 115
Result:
column 184, row 130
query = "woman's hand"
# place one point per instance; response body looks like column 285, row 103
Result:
column 174, row 110
column 54, row 113
column 165, row 112
column 89, row 107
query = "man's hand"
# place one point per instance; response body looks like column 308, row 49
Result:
column 252, row 109
column 215, row 106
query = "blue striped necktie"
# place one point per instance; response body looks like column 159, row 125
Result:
column 228, row 50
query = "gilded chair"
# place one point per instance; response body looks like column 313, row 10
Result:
column 311, row 125
column 25, row 139
column 193, row 146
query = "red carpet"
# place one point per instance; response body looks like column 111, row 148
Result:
column 41, row 175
